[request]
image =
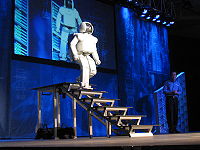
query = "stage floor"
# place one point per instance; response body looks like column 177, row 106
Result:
column 114, row 141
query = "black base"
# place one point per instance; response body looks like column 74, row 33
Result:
column 48, row 133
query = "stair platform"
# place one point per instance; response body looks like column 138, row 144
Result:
column 101, row 108
column 89, row 93
column 100, row 101
column 121, row 120
column 144, row 130
column 107, row 110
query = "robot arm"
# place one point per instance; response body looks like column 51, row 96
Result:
column 73, row 48
column 96, row 57
column 58, row 21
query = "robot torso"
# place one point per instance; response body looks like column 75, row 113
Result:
column 87, row 43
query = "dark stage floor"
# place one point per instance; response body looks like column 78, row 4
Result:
column 186, row 141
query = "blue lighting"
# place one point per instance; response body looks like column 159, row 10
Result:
column 158, row 21
column 172, row 22
column 164, row 22
column 125, row 12
column 168, row 25
column 157, row 16
column 148, row 17
column 140, row 58
column 142, row 15
column 145, row 11
column 154, row 19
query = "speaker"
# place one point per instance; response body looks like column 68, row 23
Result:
column 48, row 133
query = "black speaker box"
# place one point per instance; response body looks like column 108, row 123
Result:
column 48, row 133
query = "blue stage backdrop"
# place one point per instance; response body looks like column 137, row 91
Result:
column 143, row 65
column 143, row 62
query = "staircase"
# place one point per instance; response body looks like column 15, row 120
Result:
column 103, row 109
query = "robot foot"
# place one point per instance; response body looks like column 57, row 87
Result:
column 86, row 88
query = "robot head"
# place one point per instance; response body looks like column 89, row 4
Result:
column 86, row 27
column 69, row 3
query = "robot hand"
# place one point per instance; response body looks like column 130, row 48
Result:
column 98, row 62
column 76, row 58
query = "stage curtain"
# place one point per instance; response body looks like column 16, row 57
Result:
column 143, row 62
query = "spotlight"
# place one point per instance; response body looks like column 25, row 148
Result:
column 148, row 13
column 157, row 16
column 148, row 17
column 158, row 21
column 145, row 11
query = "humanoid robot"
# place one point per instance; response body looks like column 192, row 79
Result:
column 83, row 45
column 69, row 17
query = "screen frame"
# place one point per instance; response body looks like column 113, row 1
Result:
column 63, row 63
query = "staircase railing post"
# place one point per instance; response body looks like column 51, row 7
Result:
column 90, row 123
column 58, row 108
column 55, row 106
column 108, row 125
column 39, row 123
column 74, row 117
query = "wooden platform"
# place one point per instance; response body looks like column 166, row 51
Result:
column 186, row 139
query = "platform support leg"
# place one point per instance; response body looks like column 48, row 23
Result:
column 55, row 106
column 58, row 108
column 90, row 124
column 108, row 125
column 74, row 117
column 39, row 123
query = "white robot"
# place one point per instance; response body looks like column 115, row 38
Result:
column 83, row 45
column 69, row 17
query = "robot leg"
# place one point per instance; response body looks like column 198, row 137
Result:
column 85, row 68
column 63, row 43
column 93, row 70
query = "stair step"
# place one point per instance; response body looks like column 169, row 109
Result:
column 140, row 134
column 99, row 100
column 115, row 110
column 126, row 117
column 73, row 86
column 142, row 126
column 144, row 130
column 120, row 120
column 107, row 108
column 89, row 93
column 77, row 86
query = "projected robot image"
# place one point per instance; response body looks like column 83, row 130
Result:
column 83, row 45
column 65, row 22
